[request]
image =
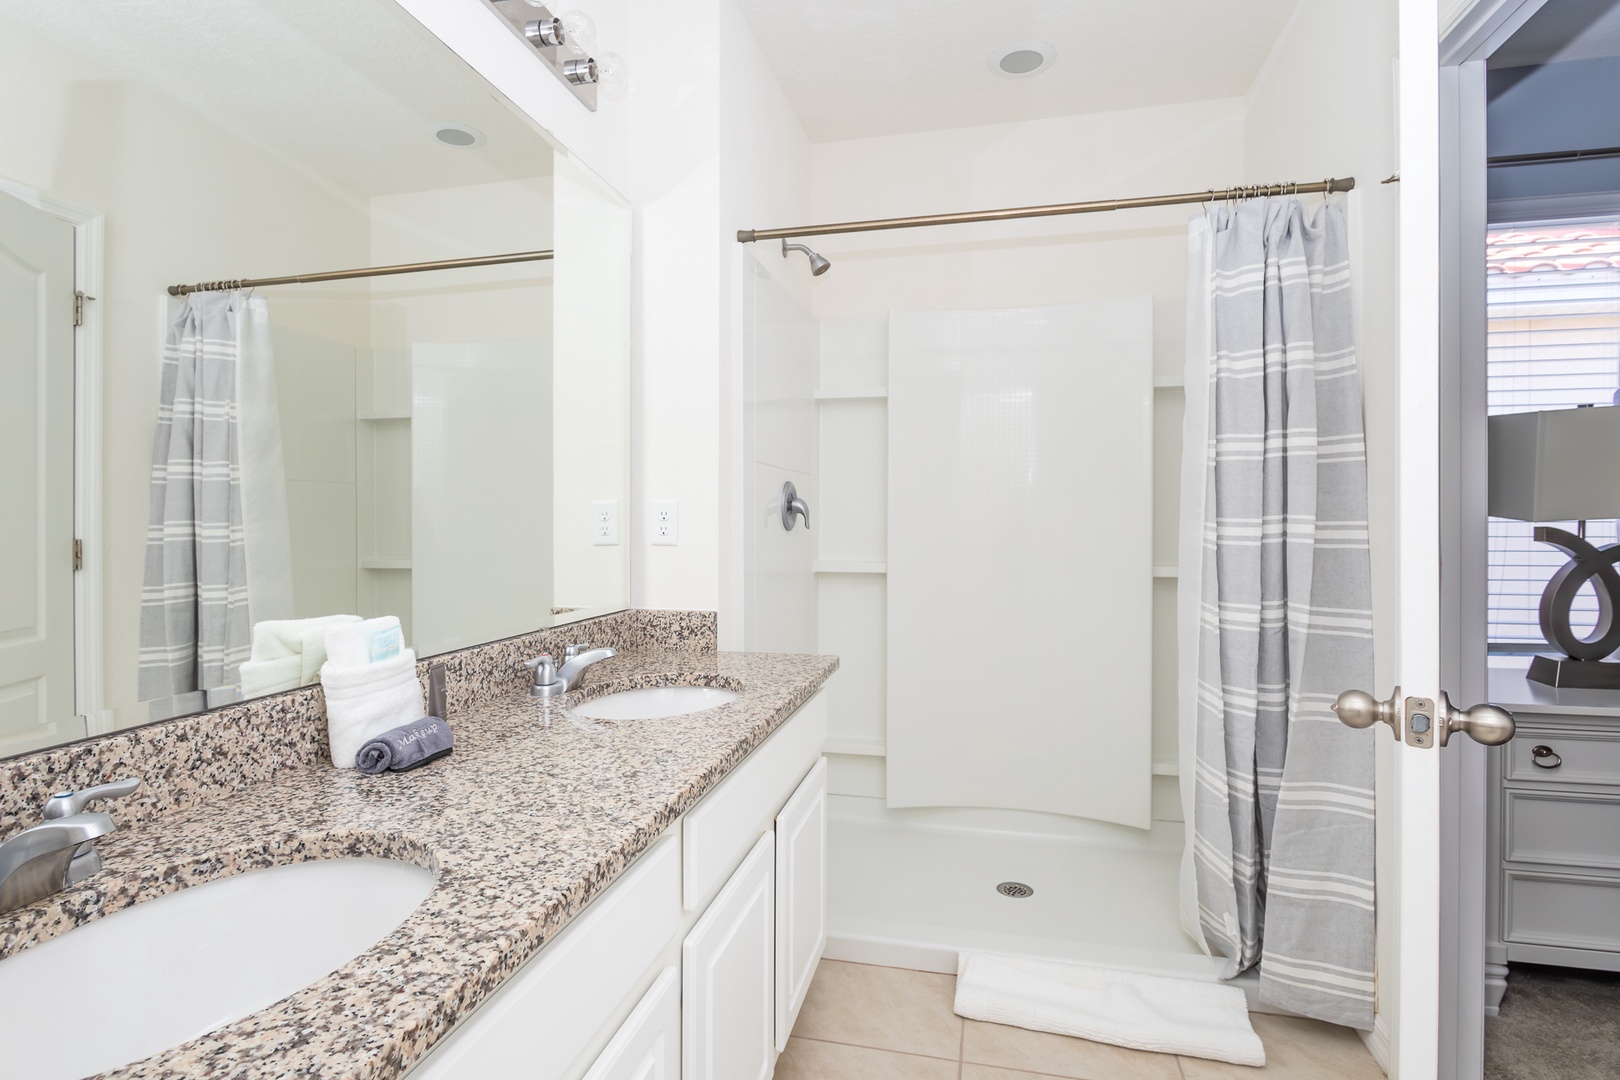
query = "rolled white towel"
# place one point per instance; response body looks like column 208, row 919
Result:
column 367, row 642
column 365, row 700
column 1125, row 1008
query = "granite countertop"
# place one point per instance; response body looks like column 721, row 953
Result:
column 535, row 813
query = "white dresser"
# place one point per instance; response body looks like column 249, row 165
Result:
column 1554, row 831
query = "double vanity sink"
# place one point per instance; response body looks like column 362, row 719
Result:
column 335, row 924
column 181, row 965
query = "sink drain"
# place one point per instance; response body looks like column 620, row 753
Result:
column 1016, row 889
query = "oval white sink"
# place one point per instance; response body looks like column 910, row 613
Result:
column 157, row 974
column 654, row 702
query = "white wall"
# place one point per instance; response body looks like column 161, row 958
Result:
column 590, row 446
column 765, row 160
column 86, row 137
column 1323, row 105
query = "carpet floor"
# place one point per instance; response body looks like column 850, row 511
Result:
column 1555, row 1024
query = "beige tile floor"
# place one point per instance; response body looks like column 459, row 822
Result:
column 878, row 1023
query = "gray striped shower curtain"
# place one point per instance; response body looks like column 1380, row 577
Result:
column 194, row 600
column 1275, row 619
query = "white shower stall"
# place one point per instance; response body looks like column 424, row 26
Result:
column 982, row 494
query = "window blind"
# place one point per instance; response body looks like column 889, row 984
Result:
column 1552, row 342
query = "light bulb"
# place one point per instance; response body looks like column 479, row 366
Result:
column 579, row 32
column 612, row 76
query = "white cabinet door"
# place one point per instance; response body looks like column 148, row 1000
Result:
column 801, row 896
column 647, row 1046
column 728, row 1016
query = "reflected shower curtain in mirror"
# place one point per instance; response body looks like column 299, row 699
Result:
column 194, row 600
column 1275, row 619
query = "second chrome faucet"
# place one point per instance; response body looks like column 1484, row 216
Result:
column 550, row 680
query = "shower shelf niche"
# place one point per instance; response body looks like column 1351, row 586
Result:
column 871, row 393
column 848, row 566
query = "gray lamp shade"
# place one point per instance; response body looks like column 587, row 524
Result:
column 1558, row 465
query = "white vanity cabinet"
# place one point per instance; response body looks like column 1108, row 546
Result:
column 728, row 1016
column 648, row 1045
column 696, row 961
column 801, row 896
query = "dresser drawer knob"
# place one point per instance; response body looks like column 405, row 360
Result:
column 1543, row 756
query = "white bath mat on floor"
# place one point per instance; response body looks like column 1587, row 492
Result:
column 1141, row 1012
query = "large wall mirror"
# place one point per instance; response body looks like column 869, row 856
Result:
column 187, row 479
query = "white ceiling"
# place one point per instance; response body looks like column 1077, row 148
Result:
column 855, row 68
column 1564, row 30
column 351, row 89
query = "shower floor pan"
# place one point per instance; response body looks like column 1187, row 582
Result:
column 913, row 895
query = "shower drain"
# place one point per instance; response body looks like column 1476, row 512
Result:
column 1016, row 889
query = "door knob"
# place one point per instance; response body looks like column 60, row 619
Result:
column 1425, row 722
column 1488, row 724
column 1359, row 709
column 793, row 507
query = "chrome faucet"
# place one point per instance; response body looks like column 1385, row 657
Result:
column 553, row 681
column 59, row 851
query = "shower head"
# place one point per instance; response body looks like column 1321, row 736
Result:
column 818, row 265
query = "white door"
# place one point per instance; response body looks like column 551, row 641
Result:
column 647, row 1045
column 36, row 479
column 728, row 987
column 801, row 896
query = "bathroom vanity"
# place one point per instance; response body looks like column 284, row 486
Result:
column 610, row 898
column 696, row 961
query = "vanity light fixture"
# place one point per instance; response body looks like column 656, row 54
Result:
column 566, row 44
column 1022, row 59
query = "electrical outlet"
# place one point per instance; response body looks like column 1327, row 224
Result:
column 605, row 522
column 665, row 522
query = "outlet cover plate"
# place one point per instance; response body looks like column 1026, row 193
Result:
column 605, row 522
column 664, row 525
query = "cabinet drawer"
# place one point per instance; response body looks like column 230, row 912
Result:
column 1586, row 757
column 545, row 1015
column 720, row 830
column 1563, row 829
column 1567, row 911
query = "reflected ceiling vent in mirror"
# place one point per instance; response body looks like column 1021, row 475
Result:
column 458, row 135
column 1022, row 59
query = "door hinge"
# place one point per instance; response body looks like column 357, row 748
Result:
column 79, row 297
column 78, row 554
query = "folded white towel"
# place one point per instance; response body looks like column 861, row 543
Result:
column 287, row 653
column 1142, row 1012
column 352, row 644
column 260, row 677
column 365, row 700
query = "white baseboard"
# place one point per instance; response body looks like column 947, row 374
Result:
column 1378, row 1042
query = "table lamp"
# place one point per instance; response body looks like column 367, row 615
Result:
column 1564, row 465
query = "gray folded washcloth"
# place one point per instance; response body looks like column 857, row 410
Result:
column 408, row 746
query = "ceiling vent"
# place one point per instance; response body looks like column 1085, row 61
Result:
column 1022, row 59
column 458, row 135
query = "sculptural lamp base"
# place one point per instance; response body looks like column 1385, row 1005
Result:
column 1561, row 671
column 1583, row 664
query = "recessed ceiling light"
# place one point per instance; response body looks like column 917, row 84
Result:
column 1022, row 59
column 458, row 135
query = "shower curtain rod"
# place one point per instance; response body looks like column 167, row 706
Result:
column 369, row 271
column 1326, row 187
